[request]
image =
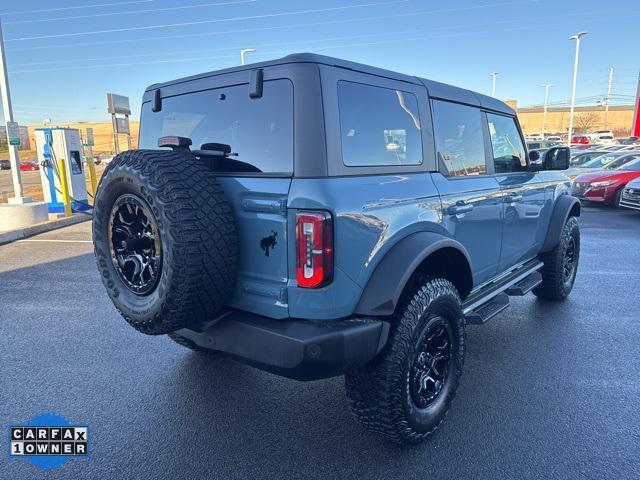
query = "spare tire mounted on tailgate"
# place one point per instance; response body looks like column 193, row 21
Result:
column 164, row 239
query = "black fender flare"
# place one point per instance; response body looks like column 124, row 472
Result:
column 563, row 208
column 383, row 290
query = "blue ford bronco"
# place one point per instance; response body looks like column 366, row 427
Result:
column 315, row 217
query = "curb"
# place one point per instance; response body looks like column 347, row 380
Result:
column 13, row 235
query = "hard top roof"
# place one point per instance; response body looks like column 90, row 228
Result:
column 435, row 89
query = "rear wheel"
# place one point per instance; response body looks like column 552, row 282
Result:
column 561, row 264
column 406, row 392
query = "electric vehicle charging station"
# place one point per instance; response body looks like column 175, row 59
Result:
column 53, row 144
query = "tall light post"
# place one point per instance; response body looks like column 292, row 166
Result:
column 546, row 86
column 577, row 38
column 493, row 83
column 14, row 158
column 606, row 101
column 243, row 52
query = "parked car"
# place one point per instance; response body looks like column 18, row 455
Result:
column 534, row 137
column 5, row 165
column 631, row 195
column 580, row 139
column 606, row 186
column 604, row 137
column 580, row 158
column 553, row 138
column 597, row 163
column 354, row 231
column 29, row 166
column 630, row 141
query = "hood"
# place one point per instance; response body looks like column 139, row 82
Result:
column 602, row 176
column 634, row 183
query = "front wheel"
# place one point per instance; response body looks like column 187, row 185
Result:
column 406, row 392
column 560, row 264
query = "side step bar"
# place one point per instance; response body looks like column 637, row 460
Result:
column 487, row 311
column 525, row 285
column 479, row 311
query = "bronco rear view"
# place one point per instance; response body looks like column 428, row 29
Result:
column 315, row 217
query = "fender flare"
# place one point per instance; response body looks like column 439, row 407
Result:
column 562, row 209
column 383, row 290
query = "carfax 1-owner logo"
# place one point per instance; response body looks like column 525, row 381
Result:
column 49, row 440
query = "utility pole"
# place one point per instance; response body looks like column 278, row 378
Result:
column 493, row 83
column 14, row 157
column 243, row 52
column 546, row 86
column 606, row 100
column 577, row 38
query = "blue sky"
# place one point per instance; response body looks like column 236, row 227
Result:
column 64, row 55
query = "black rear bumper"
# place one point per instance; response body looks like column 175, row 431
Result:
column 293, row 348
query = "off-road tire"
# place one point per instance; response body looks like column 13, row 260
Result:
column 555, row 285
column 379, row 393
column 197, row 237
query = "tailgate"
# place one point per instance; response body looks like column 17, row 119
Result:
column 260, row 209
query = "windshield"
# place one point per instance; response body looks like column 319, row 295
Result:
column 602, row 160
column 632, row 166
column 582, row 158
column 619, row 162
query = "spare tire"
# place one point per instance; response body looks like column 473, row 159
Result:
column 164, row 238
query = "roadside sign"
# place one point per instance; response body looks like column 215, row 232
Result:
column 90, row 139
column 118, row 104
column 122, row 125
column 13, row 132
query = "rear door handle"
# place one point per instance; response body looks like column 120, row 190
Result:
column 460, row 207
column 511, row 198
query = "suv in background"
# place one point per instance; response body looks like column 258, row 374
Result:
column 604, row 137
column 317, row 217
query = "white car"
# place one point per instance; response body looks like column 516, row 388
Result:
column 534, row 137
column 605, row 137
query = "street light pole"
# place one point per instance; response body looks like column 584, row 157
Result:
column 493, row 83
column 14, row 157
column 546, row 86
column 577, row 38
column 606, row 101
column 243, row 52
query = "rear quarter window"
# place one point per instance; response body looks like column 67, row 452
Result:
column 378, row 126
column 259, row 130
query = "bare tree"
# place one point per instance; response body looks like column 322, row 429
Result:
column 585, row 122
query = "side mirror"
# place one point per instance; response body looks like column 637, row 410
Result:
column 556, row 158
column 534, row 155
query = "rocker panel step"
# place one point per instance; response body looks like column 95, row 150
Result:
column 525, row 285
column 484, row 313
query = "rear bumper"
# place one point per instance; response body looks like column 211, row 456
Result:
column 294, row 348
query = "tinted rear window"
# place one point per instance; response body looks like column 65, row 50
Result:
column 259, row 130
column 378, row 126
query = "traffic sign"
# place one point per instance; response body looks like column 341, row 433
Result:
column 13, row 132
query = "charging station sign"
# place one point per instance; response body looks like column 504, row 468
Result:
column 13, row 133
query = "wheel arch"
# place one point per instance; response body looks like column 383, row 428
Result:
column 418, row 254
column 566, row 206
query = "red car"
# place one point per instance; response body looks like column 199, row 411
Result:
column 29, row 166
column 580, row 140
column 605, row 186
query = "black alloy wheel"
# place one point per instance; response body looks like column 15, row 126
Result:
column 136, row 250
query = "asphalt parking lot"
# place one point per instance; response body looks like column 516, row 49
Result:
column 549, row 390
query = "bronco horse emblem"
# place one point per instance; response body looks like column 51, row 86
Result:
column 269, row 242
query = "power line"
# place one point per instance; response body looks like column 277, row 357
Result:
column 76, row 7
column 295, row 25
column 131, row 12
column 203, row 22
column 327, row 47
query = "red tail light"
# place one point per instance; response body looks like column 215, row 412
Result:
column 314, row 242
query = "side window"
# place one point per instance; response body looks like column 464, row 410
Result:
column 508, row 151
column 378, row 126
column 259, row 130
column 459, row 139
